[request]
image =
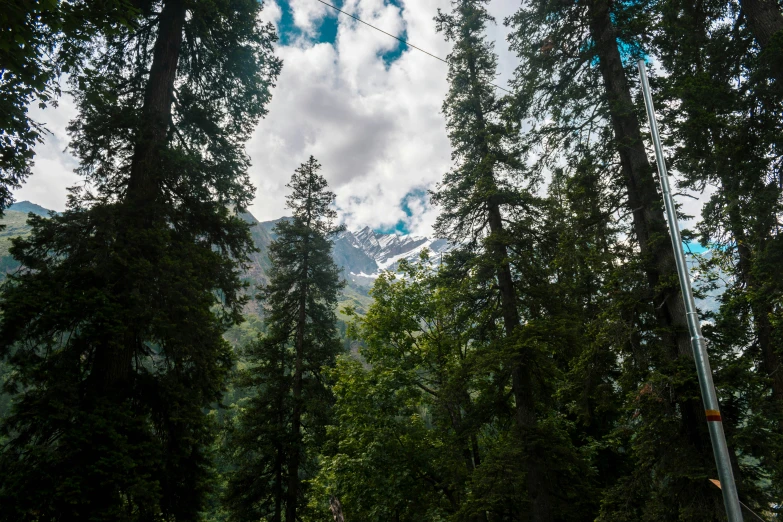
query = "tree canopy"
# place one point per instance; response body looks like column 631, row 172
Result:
column 539, row 369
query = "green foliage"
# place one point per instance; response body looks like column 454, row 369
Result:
column 39, row 40
column 114, row 328
column 404, row 418
column 580, row 104
column 725, row 131
column 491, row 211
column 541, row 372
column 14, row 224
column 424, row 417
column 275, row 439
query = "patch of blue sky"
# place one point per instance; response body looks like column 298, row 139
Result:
column 632, row 52
column 286, row 29
column 325, row 29
column 390, row 56
column 629, row 51
column 401, row 227
column 694, row 247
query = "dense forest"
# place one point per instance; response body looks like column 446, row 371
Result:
column 161, row 361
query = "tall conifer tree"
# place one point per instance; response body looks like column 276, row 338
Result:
column 279, row 430
column 575, row 82
column 38, row 42
column 725, row 129
column 114, row 330
column 765, row 19
column 486, row 189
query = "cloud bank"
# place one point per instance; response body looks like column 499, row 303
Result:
column 367, row 109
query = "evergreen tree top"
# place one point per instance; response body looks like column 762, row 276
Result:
column 483, row 130
column 311, row 203
column 225, row 72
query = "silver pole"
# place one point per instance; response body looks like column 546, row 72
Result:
column 712, row 410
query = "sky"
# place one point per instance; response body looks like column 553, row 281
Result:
column 366, row 107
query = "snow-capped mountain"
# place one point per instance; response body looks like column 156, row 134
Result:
column 364, row 254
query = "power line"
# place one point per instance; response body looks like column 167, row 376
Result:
column 384, row 32
column 399, row 39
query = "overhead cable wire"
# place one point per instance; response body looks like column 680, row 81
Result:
column 399, row 39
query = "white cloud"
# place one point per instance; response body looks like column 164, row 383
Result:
column 271, row 12
column 307, row 13
column 376, row 128
column 53, row 169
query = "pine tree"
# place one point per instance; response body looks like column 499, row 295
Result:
column 114, row 331
column 726, row 134
column 487, row 207
column 587, row 301
column 577, row 61
column 285, row 419
column 40, row 41
column 765, row 19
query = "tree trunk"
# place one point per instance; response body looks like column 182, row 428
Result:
column 456, row 424
column 644, row 199
column 521, row 382
column 645, row 204
column 279, row 461
column 475, row 447
column 761, row 309
column 112, row 366
column 296, row 417
column 764, row 20
column 337, row 509
column 145, row 164
column 771, row 361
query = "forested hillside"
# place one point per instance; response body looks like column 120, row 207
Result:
column 358, row 259
column 165, row 356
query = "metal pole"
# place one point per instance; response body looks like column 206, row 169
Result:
column 712, row 411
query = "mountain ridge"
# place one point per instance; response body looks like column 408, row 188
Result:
column 30, row 207
column 362, row 255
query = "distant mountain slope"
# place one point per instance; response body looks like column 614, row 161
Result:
column 26, row 207
column 259, row 261
column 15, row 225
column 388, row 249
column 362, row 255
column 351, row 257
column 346, row 255
column 15, row 221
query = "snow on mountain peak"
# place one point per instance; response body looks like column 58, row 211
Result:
column 366, row 253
